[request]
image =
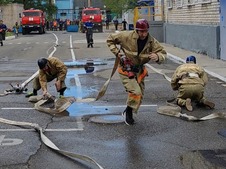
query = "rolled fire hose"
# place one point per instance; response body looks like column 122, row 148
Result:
column 49, row 143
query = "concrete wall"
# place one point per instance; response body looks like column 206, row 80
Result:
column 197, row 38
column 193, row 25
column 156, row 30
column 10, row 14
column 198, row 12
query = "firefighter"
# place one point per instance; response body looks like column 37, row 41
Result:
column 3, row 29
column 89, row 33
column 49, row 69
column 135, row 48
column 190, row 79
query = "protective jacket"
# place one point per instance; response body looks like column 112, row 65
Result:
column 57, row 69
column 188, row 73
column 128, row 42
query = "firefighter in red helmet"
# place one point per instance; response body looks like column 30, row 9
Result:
column 135, row 48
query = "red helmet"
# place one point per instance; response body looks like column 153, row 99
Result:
column 142, row 25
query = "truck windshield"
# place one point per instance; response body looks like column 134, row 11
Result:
column 31, row 13
column 91, row 12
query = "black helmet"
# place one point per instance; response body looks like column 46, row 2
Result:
column 42, row 63
column 191, row 59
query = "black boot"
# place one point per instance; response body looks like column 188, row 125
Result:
column 1, row 43
column 61, row 91
column 128, row 116
column 34, row 93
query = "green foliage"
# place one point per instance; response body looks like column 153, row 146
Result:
column 117, row 6
column 5, row 2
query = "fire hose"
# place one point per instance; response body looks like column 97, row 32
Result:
column 49, row 143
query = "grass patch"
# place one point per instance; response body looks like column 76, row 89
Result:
column 9, row 34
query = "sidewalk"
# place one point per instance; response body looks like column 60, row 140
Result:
column 214, row 67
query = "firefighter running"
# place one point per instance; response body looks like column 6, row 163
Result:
column 189, row 79
column 138, row 48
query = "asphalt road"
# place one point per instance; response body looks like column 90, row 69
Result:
column 154, row 142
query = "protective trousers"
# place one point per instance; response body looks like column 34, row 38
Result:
column 89, row 36
column 135, row 89
column 193, row 91
column 1, row 37
column 36, row 83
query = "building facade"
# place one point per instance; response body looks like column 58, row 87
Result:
column 71, row 9
column 195, row 24
column 10, row 13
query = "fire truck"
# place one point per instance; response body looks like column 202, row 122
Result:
column 33, row 20
column 96, row 16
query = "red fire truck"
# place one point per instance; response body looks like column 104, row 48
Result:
column 96, row 15
column 33, row 20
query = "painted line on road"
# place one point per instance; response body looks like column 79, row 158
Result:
column 72, row 51
column 150, row 105
column 72, row 129
column 17, row 108
column 24, row 108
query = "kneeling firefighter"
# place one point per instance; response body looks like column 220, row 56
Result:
column 190, row 80
column 49, row 69
column 138, row 48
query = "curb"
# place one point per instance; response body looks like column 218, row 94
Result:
column 181, row 61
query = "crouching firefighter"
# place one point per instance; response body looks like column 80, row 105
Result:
column 138, row 47
column 190, row 80
column 49, row 69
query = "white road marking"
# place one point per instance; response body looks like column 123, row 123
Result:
column 17, row 108
column 96, row 41
column 9, row 141
column 79, row 86
column 62, row 130
column 72, row 51
column 150, row 105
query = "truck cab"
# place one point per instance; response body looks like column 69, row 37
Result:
column 33, row 20
column 96, row 16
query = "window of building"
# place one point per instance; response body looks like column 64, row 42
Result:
column 205, row 1
column 170, row 4
column 179, row 3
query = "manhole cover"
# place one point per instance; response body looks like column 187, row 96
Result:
column 107, row 119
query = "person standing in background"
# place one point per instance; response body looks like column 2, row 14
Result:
column 3, row 29
column 124, row 24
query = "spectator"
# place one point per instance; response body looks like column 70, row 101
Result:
column 3, row 29
column 116, row 24
column 107, row 23
column 16, row 29
column 124, row 24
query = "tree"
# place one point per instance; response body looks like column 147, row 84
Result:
column 5, row 2
column 117, row 6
